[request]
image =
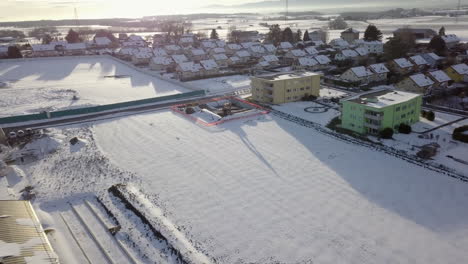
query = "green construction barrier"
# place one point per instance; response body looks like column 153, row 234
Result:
column 97, row 109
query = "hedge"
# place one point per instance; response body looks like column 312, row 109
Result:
column 459, row 135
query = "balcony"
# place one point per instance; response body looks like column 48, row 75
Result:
column 269, row 95
column 377, row 117
column 370, row 125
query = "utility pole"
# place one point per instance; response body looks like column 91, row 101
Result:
column 76, row 14
column 286, row 14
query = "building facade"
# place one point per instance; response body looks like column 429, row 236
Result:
column 371, row 112
column 285, row 87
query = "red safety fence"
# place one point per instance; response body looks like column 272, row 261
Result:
column 263, row 111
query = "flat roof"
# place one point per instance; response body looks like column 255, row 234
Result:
column 382, row 98
column 22, row 239
column 286, row 76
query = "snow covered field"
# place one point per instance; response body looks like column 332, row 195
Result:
column 266, row 190
column 50, row 84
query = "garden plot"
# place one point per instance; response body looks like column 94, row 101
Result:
column 32, row 86
column 265, row 190
column 443, row 136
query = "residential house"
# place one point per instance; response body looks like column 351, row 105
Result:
column 371, row 112
column 257, row 51
column 44, row 50
column 374, row 47
column 126, row 53
column 208, row 44
column 197, row 54
column 234, row 60
column 346, row 54
column 318, row 35
column 160, row 63
column 232, row 48
column 458, row 72
column 210, row 67
column 243, row 55
column 305, row 63
column 285, row 46
column 159, row 52
column 220, row 59
column 186, row 41
column 350, row 35
column 431, row 58
column 270, row 48
column 73, row 49
column 179, row 58
column 318, row 43
column 339, row 43
column 451, row 40
column 401, row 66
column 440, row 78
column 380, row 71
column 417, row 83
column 245, row 36
column 141, row 57
column 272, row 60
column 311, row 51
column 221, row 43
column 359, row 74
column 247, row 45
column 173, row 49
column 363, row 53
column 419, row 62
column 189, row 70
column 323, row 61
column 218, row 51
column 285, row 87
column 293, row 55
column 102, row 42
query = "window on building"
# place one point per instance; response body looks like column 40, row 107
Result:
column 288, row 90
column 288, row 98
column 307, row 88
column 398, row 109
column 403, row 115
column 302, row 89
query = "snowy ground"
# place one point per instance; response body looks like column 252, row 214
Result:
column 50, row 84
column 221, row 84
column 442, row 136
column 452, row 25
column 266, row 190
column 260, row 190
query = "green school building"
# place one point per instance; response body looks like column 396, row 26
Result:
column 370, row 112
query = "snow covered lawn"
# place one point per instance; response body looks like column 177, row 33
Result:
column 323, row 115
column 49, row 84
column 265, row 190
column 228, row 83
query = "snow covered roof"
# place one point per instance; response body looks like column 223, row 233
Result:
column 318, row 43
column 421, row 80
column 322, row 59
column 221, row 43
column 234, row 59
column 380, row 98
column 349, row 53
column 307, row 61
column 209, row 64
column 102, row 41
column 439, row 76
column 311, row 50
column 208, row 44
column 3, row 49
column 75, row 46
column 219, row 56
column 243, row 54
column 127, row 51
column 160, row 60
column 219, row 50
column 257, row 49
column 350, row 30
column 264, row 63
column 339, row 42
column 286, row 45
column 418, row 60
column 403, row 63
column 172, row 47
column 298, row 53
column 179, row 58
column 159, row 52
column 451, row 38
column 461, row 68
column 361, row 71
column 270, row 58
column 247, row 45
column 135, row 38
column 142, row 55
column 270, row 47
column 433, row 56
column 42, row 47
column 234, row 46
column 197, row 52
column 190, row 66
column 362, row 51
column 378, row 68
column 186, row 40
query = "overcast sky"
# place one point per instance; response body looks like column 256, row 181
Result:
column 16, row 10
